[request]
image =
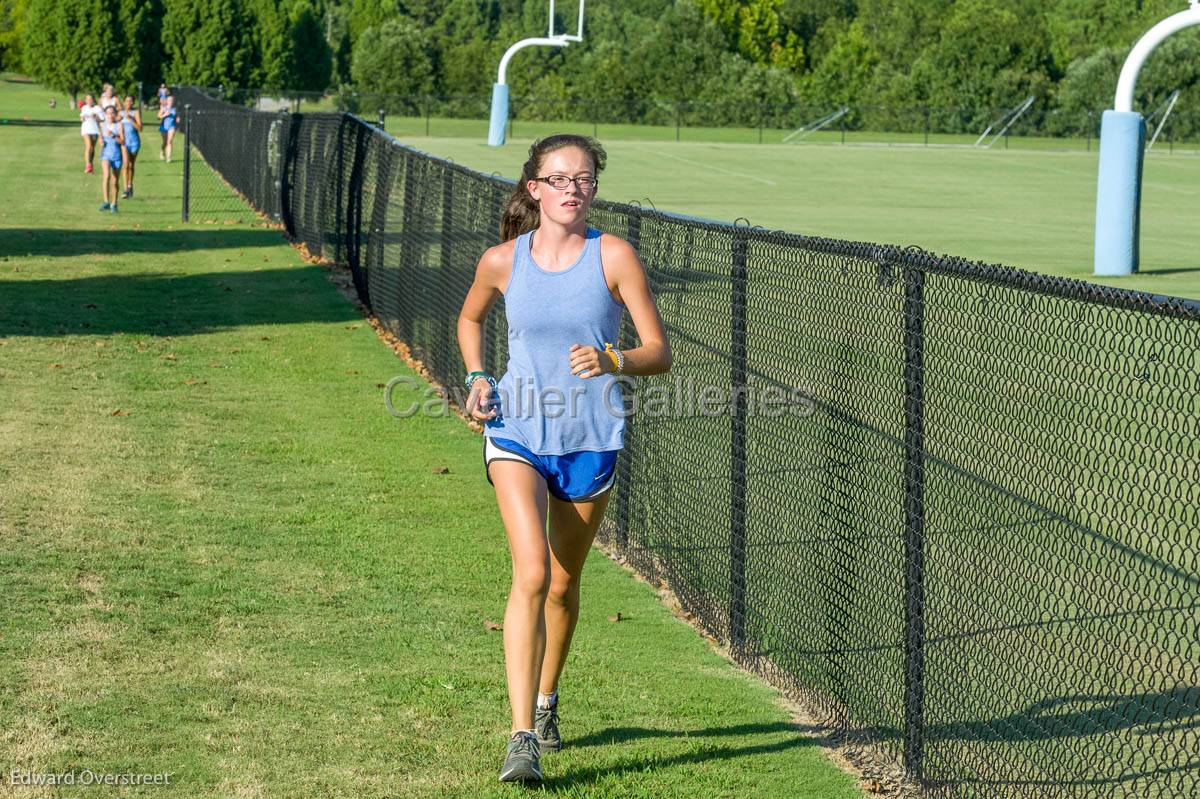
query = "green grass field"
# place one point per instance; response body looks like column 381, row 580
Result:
column 221, row 558
column 1027, row 209
column 1031, row 207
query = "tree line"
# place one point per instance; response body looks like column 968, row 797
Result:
column 728, row 61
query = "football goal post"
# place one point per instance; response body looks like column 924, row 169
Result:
column 1122, row 135
column 499, row 119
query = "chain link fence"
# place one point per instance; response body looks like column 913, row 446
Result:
column 976, row 549
column 1038, row 127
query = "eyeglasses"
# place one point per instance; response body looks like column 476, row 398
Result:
column 562, row 181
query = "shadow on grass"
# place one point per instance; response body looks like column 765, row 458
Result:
column 67, row 242
column 1182, row 270
column 164, row 304
column 1081, row 718
column 803, row 736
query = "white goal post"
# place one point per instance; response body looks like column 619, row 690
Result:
column 499, row 117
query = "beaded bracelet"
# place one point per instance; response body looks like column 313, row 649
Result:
column 617, row 356
column 473, row 376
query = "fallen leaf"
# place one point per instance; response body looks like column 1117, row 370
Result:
column 491, row 625
column 194, row 382
column 352, row 327
column 874, row 786
column 266, row 338
column 119, row 412
column 441, row 470
column 56, row 366
column 616, row 617
column 170, row 356
column 235, row 350
column 352, row 371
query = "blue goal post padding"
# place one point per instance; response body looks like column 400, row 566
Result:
column 1119, row 192
column 499, row 121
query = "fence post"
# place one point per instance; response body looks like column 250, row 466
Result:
column 382, row 119
column 446, row 262
column 677, row 115
column 428, row 114
column 914, row 520
column 737, row 500
column 339, row 241
column 624, row 472
column 287, row 144
column 187, row 157
column 926, row 126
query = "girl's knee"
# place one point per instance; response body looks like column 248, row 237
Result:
column 563, row 592
column 531, row 582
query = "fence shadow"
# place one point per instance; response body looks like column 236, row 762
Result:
column 801, row 738
column 164, row 304
column 68, row 242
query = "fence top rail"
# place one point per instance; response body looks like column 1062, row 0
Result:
column 885, row 255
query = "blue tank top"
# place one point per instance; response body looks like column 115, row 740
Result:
column 540, row 404
column 112, row 149
column 132, row 139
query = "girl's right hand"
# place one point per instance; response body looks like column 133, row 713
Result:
column 479, row 402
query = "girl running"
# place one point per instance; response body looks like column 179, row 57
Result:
column 110, row 157
column 566, row 286
column 166, row 113
column 108, row 98
column 131, row 124
column 90, row 116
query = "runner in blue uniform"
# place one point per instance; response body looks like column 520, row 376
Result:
column 166, row 113
column 131, row 124
column 110, row 157
column 555, row 421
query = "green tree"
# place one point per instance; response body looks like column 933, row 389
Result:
column 270, row 37
column 393, row 60
column 311, row 63
column 12, row 27
column 844, row 75
column 72, row 45
column 755, row 29
column 207, row 42
column 987, row 58
column 141, row 44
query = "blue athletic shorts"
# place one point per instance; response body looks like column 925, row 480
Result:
column 574, row 477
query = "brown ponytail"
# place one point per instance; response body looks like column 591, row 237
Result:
column 523, row 214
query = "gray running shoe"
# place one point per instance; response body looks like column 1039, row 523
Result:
column 545, row 722
column 521, row 764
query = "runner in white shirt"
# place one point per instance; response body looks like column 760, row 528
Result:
column 90, row 116
column 109, row 98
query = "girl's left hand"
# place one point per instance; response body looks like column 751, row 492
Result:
column 585, row 358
